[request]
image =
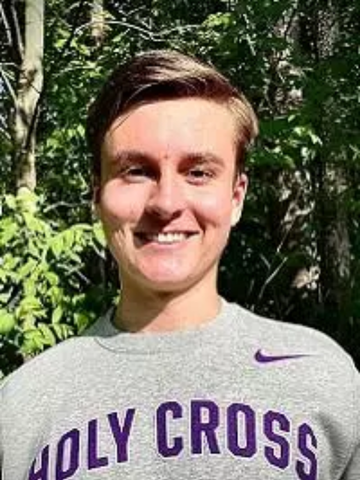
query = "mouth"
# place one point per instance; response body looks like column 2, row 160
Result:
column 164, row 238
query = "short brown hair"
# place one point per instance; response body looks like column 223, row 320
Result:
column 161, row 75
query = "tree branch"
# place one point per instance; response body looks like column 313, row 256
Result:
column 6, row 24
column 8, row 84
column 65, row 204
column 9, row 14
column 148, row 34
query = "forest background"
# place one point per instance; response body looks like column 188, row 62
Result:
column 296, row 253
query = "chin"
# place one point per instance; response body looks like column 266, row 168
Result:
column 167, row 278
column 168, row 284
column 158, row 283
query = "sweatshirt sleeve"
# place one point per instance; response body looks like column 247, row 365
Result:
column 352, row 471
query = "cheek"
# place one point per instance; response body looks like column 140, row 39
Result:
column 216, row 209
column 117, row 207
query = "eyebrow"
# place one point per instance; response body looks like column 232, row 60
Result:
column 204, row 157
column 132, row 156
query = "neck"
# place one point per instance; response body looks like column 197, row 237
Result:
column 141, row 310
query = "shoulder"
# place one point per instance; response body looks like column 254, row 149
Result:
column 282, row 338
column 53, row 365
column 308, row 373
column 305, row 361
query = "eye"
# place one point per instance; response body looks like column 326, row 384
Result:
column 200, row 174
column 136, row 173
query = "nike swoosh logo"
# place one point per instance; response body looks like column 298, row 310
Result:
column 261, row 357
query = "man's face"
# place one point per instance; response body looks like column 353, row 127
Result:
column 169, row 193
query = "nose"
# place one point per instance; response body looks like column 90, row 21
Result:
column 167, row 199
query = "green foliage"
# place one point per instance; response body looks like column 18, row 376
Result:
column 45, row 295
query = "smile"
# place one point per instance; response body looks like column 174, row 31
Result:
column 164, row 238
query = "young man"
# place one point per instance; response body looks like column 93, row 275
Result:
column 177, row 383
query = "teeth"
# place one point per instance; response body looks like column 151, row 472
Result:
column 166, row 237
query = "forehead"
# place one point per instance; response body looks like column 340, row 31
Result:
column 173, row 127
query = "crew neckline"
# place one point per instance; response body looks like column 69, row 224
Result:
column 110, row 337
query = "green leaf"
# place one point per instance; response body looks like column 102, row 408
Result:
column 99, row 234
column 68, row 239
column 30, row 304
column 62, row 331
column 7, row 322
column 29, row 287
column 33, row 342
column 27, row 201
column 5, row 297
column 57, row 246
column 27, row 268
column 57, row 314
column 10, row 201
column 82, row 321
column 47, row 335
column 9, row 230
column 10, row 262
column 52, row 278
column 56, row 294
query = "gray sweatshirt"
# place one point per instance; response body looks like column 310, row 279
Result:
column 238, row 398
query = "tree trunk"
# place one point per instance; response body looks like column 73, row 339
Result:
column 28, row 96
column 330, row 182
column 286, row 204
column 98, row 25
column 334, row 247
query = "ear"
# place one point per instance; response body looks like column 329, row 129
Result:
column 239, row 192
column 96, row 192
